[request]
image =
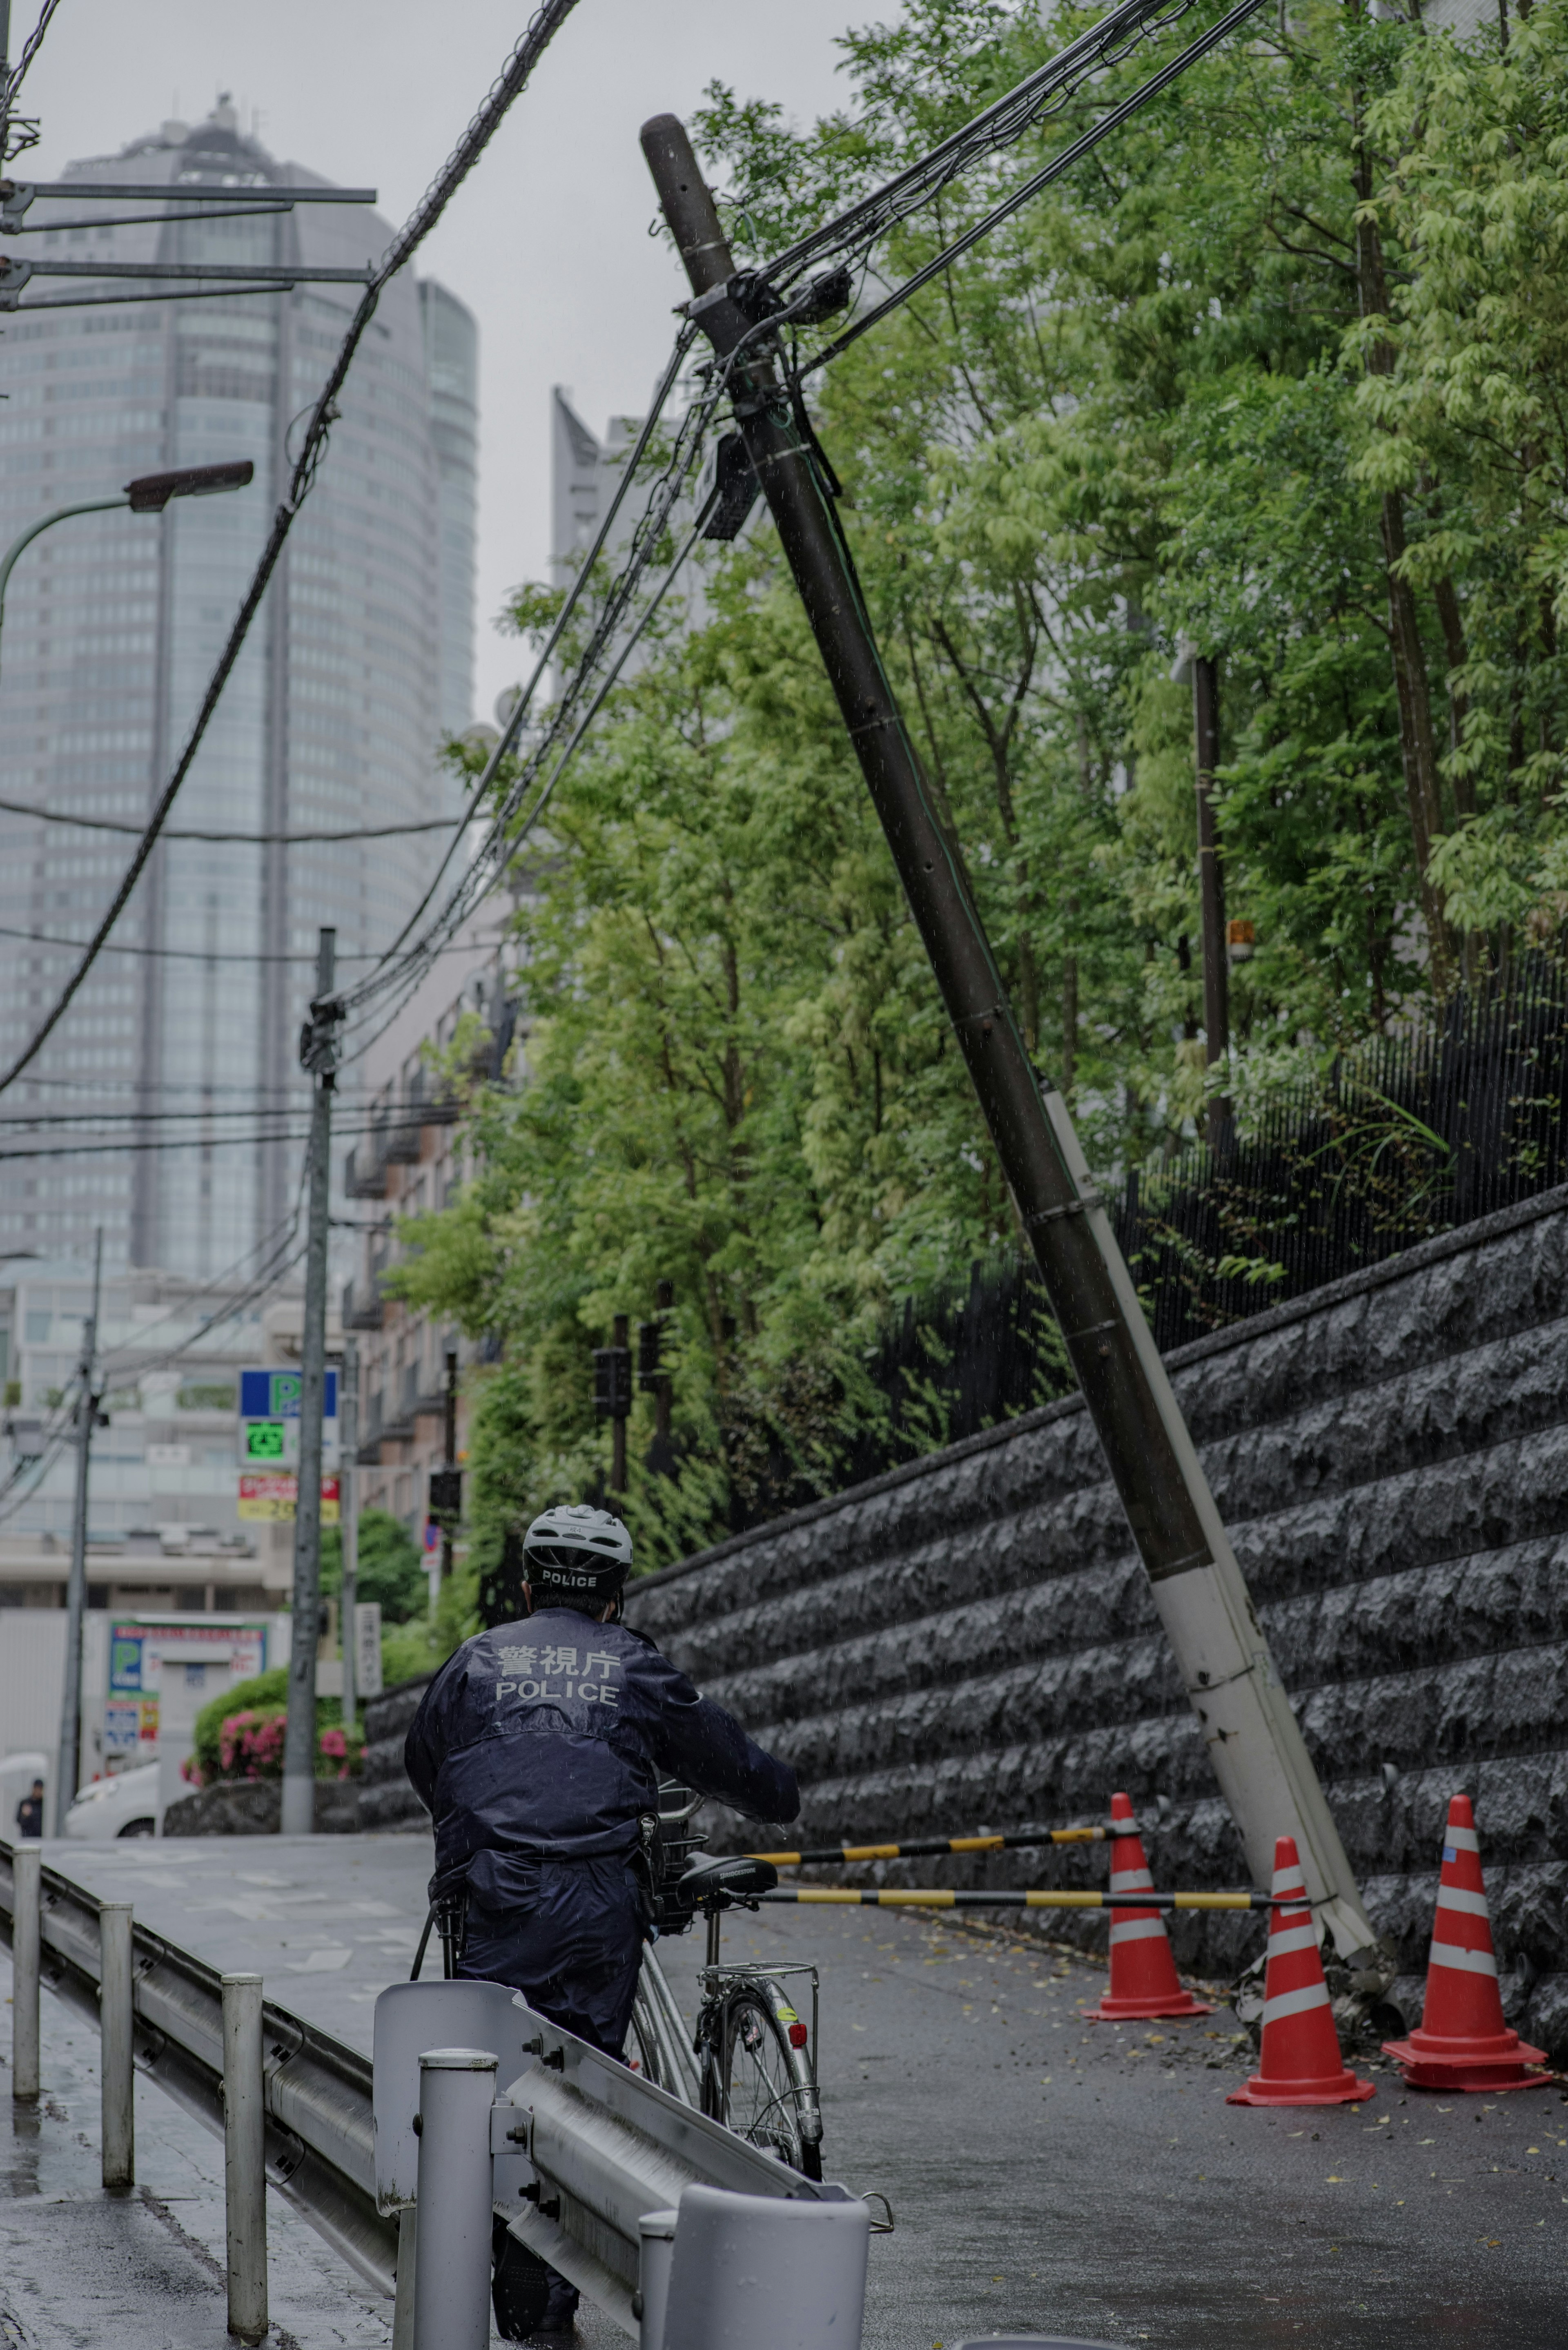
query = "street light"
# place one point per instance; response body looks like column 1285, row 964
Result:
column 149, row 494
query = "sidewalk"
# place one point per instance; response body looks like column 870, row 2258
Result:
column 79, row 2269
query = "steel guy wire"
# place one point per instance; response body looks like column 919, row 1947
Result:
column 535, row 39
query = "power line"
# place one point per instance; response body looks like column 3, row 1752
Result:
column 1056, row 169
column 246, row 839
column 541, row 30
column 502, row 841
column 516, row 715
column 177, row 1142
column 199, row 954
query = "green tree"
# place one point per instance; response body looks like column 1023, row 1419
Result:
column 391, row 1566
column 1274, row 373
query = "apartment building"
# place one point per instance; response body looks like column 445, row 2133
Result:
column 412, row 1164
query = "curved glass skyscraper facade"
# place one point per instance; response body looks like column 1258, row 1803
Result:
column 358, row 663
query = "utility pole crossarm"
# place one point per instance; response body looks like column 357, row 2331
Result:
column 1253, row 1740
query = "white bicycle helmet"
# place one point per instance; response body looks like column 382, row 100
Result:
column 575, row 1547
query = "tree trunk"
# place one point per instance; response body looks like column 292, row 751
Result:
column 1418, row 743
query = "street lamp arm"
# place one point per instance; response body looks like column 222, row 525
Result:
column 149, row 494
column 61, row 514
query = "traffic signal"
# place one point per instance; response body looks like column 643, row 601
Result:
column 446, row 1493
column 612, row 1382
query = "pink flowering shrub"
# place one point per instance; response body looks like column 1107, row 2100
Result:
column 250, row 1745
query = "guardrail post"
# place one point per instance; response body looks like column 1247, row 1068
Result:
column 26, row 1896
column 407, row 2271
column 116, row 2048
column 656, row 2232
column 775, row 2275
column 244, row 2157
column 452, row 2276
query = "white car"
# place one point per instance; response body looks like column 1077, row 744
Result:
column 125, row 1805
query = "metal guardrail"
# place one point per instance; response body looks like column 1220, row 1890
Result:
column 581, row 2147
column 320, row 2134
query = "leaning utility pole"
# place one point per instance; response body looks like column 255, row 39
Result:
column 1255, row 1742
column 319, row 1054
column 68, row 1775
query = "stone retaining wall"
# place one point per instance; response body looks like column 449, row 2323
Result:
column 970, row 1642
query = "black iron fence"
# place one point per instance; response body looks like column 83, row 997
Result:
column 1409, row 1136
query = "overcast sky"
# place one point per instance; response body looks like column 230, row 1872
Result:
column 546, row 241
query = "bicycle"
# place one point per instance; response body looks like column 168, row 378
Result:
column 751, row 2063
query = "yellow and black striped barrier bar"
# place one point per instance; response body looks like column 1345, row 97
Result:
column 925, row 1848
column 939, row 1898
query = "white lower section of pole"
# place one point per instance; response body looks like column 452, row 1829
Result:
column 245, row 2155
column 452, row 2276
column 117, row 2071
column 26, row 1895
column 656, row 2231
column 1254, row 1741
column 755, row 2273
column 296, row 1815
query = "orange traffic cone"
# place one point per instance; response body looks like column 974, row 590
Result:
column 1301, row 2060
column 1463, row 2042
column 1144, row 1981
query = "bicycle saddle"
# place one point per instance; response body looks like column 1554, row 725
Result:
column 735, row 1876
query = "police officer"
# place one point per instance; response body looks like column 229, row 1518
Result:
column 537, row 1750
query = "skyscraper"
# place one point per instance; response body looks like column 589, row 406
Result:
column 359, row 662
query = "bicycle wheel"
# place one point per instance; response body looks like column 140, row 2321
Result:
column 752, row 2082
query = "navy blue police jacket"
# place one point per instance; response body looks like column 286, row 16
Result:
column 547, row 1740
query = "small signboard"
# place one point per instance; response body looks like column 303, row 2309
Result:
column 368, row 1648
column 269, row 1421
column 129, row 1723
column 273, row 1497
column 139, row 1654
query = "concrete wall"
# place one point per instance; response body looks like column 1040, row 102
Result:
column 969, row 1641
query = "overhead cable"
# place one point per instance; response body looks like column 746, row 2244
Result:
column 246, row 839
column 996, row 128
column 1058, row 166
column 574, row 593
column 546, row 21
column 194, row 954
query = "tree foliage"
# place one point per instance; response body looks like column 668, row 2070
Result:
column 1276, row 372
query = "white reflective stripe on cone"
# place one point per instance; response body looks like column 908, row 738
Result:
column 1137, row 1930
column 1125, row 1827
column 1471, row 1905
column 1295, row 2002
column 1288, row 1888
column 1293, row 1937
column 1131, row 1881
column 1467, row 1962
column 1460, row 1840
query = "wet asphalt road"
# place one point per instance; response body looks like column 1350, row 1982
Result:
column 1047, row 2175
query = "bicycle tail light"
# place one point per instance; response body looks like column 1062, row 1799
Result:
column 797, row 2035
